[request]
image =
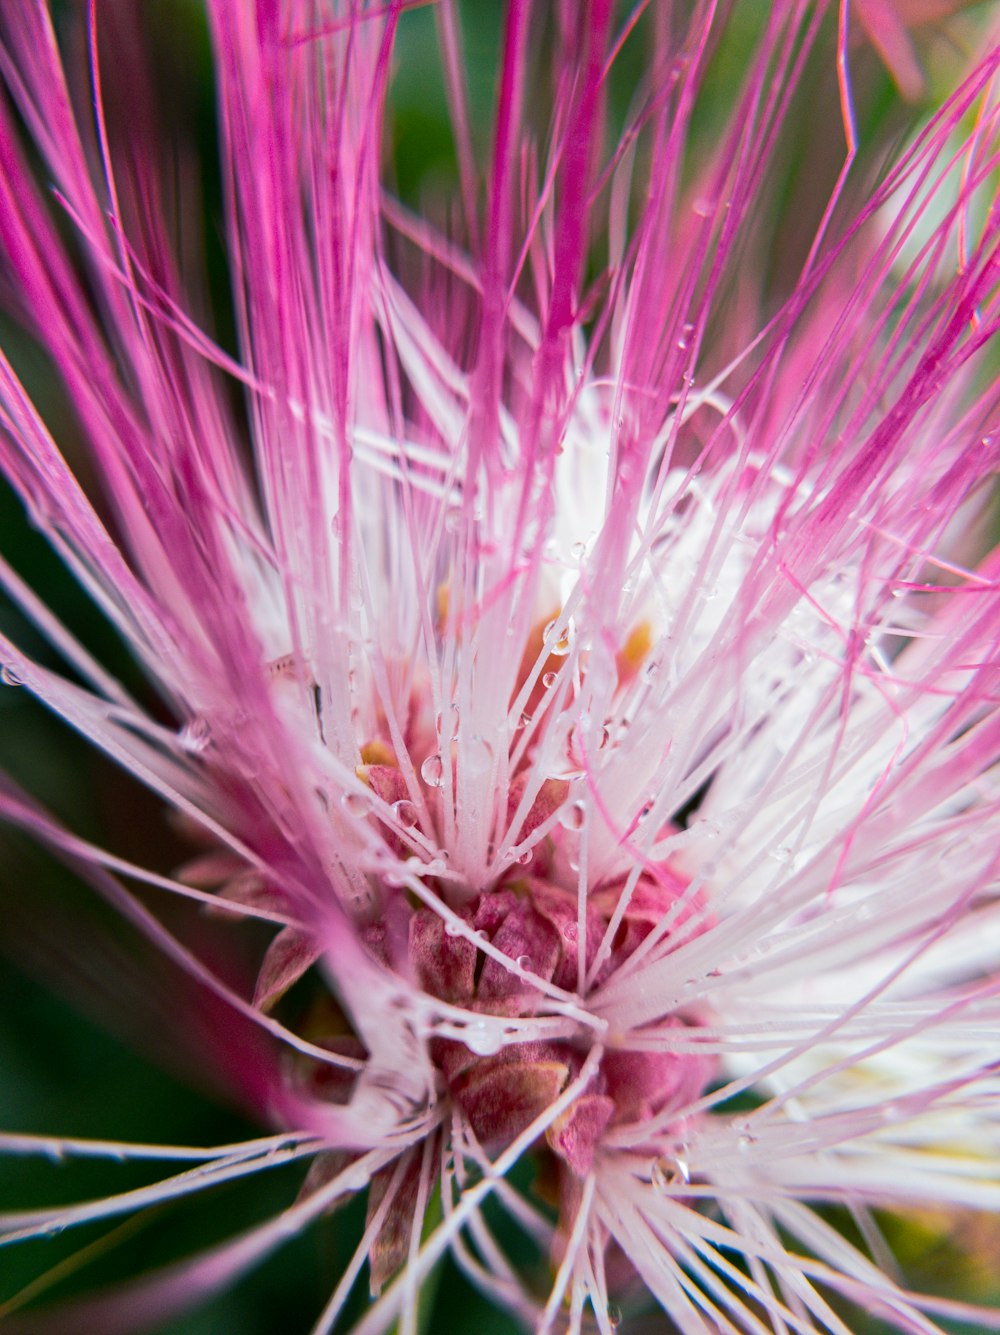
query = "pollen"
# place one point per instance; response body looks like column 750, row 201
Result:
column 377, row 752
column 634, row 651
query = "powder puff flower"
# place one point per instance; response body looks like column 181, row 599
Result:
column 575, row 647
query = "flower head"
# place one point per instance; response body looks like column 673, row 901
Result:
column 573, row 643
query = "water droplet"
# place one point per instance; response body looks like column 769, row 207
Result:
column 668, row 1171
column 522, row 722
column 447, row 723
column 603, row 737
column 405, row 813
column 195, row 735
column 482, row 934
column 354, row 803
column 561, row 645
column 524, row 962
column 782, row 853
column 483, row 1039
column 432, row 771
column 744, row 1140
column 9, row 677
column 572, row 816
column 452, row 929
column 578, row 551
column 525, row 858
column 614, row 1316
column 549, row 679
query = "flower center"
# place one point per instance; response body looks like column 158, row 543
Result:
column 535, row 926
column 517, row 946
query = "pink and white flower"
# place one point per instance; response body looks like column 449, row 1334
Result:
column 591, row 672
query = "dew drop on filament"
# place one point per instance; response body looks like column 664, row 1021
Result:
column 483, row 1039
column 561, row 646
column 432, row 771
column 447, row 723
column 572, row 816
column 744, row 1140
column 405, row 813
column 194, row 736
column 668, row 1171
